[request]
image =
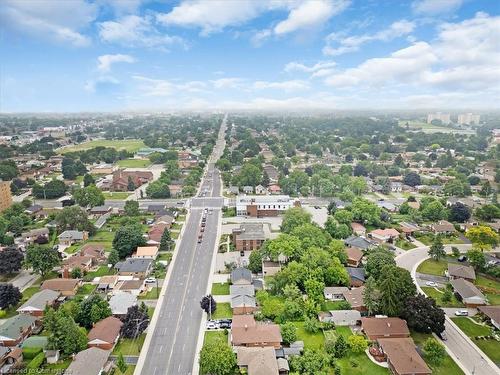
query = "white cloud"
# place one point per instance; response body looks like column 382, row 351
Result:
column 61, row 21
column 93, row 85
column 309, row 14
column 299, row 67
column 135, row 31
column 292, row 85
column 338, row 44
column 260, row 36
column 433, row 7
column 105, row 61
column 227, row 83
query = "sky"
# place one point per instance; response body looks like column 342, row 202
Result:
column 142, row 55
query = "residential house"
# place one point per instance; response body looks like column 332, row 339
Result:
column 155, row 233
column 175, row 190
column 358, row 229
column 270, row 268
column 376, row 328
column 97, row 211
column 69, row 237
column 247, row 189
column 461, row 271
column 396, row 187
column 359, row 242
column 443, row 227
column 409, row 228
column 119, row 303
column 354, row 256
column 272, row 172
column 245, row 331
column 165, row 219
column 94, row 251
column 241, row 276
column 249, row 236
column 107, row 283
column 134, row 267
column 257, row 361
column 389, row 206
column 134, row 287
column 14, row 330
column 260, row 190
column 65, row 287
column 29, row 237
column 402, row 357
column 37, row 303
column 264, row 205
column 233, row 190
column 492, row 313
column 468, row 293
column 356, row 276
column 334, row 293
column 274, row 189
column 242, row 299
column 84, row 263
column 121, row 179
column 388, row 235
column 105, row 333
column 10, row 359
column 146, row 252
column 341, row 317
column 91, row 361
column 103, row 169
column 355, row 298
column 36, row 211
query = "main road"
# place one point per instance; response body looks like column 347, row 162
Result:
column 171, row 341
column 467, row 355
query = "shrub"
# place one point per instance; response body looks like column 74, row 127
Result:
column 30, row 353
column 36, row 362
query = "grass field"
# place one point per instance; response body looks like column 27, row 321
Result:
column 471, row 329
column 129, row 346
column 101, row 271
column 131, row 145
column 86, row 289
column 117, row 195
column 488, row 283
column 152, row 294
column 405, row 245
column 311, row 340
column 220, row 289
column 431, row 292
column 133, row 163
column 332, row 305
column 430, row 128
column 223, row 311
column 432, row 267
column 211, row 336
column 448, row 366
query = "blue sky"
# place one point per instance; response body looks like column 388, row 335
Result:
column 111, row 55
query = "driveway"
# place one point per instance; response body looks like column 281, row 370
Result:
column 24, row 280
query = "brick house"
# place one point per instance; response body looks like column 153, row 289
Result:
column 249, row 236
column 105, row 333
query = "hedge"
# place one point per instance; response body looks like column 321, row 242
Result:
column 30, row 353
column 36, row 362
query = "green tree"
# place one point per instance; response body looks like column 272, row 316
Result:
column 89, row 196
column 434, row 211
column 447, row 296
column 74, row 218
column 88, row 180
column 482, row 236
column 294, row 217
column 92, row 310
column 371, row 296
column 312, row 362
column 314, row 290
column 41, row 259
column 434, row 351
column 336, row 248
column 340, row 347
column 217, row 358
column 166, row 240
column 255, row 261
column 389, row 291
column 357, row 343
column 64, row 333
column 127, row 239
column 120, row 363
column 9, row 296
column 113, row 257
column 11, row 260
column 477, row 259
column 131, row 208
column 51, row 190
column 288, row 333
column 376, row 260
column 311, row 324
column 130, row 184
column 436, row 251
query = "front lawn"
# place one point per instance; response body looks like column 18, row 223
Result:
column 433, row 267
column 405, row 245
column 471, row 329
column 211, row 336
column 129, row 371
column 166, row 256
column 174, row 235
column 28, row 292
column 428, row 239
column 133, row 163
column 129, row 346
column 448, row 366
column 103, row 235
column 220, row 289
column 152, row 294
column 101, row 271
column 311, row 340
column 116, row 195
column 86, row 289
column 360, row 364
column 432, row 292
column 223, row 311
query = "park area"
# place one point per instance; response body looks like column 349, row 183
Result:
column 131, row 145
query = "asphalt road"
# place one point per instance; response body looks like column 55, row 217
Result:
column 471, row 359
column 174, row 337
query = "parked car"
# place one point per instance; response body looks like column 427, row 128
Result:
column 461, row 313
column 431, row 283
column 212, row 325
column 462, row 258
column 225, row 325
column 442, row 336
column 150, row 280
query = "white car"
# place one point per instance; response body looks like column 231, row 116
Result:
column 150, row 280
column 461, row 313
column 212, row 325
column 431, row 283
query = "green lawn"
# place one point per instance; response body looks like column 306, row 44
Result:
column 405, row 245
column 129, row 346
column 431, row 292
column 332, row 305
column 471, row 329
column 133, row 163
column 311, row 340
column 103, row 235
column 223, row 311
column 493, row 298
column 165, row 256
column 488, row 283
column 130, row 370
column 86, row 289
column 174, row 235
column 219, row 289
column 116, row 195
column 101, row 271
column 151, row 311
column 56, row 368
column 152, row 294
column 432, row 267
column 130, row 145
column 28, row 292
column 448, row 366
column 211, row 336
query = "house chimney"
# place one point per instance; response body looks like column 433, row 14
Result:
column 246, row 327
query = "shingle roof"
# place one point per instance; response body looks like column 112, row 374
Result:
column 356, row 273
column 134, row 265
column 466, row 289
column 242, row 301
column 72, row 234
column 353, row 253
column 60, row 285
column 355, row 296
column 11, row 328
column 259, row 361
column 359, row 242
column 106, row 330
column 492, row 312
column 460, row 270
column 403, row 357
column 254, row 334
column 40, row 300
column 242, row 290
column 241, row 274
column 88, row 362
column 384, row 326
column 119, row 303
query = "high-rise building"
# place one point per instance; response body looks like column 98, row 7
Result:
column 443, row 117
column 5, row 195
column 468, row 119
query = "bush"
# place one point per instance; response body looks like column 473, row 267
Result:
column 2, row 314
column 311, row 325
column 30, row 353
column 36, row 362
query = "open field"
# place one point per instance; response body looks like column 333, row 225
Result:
column 131, row 145
column 430, row 128
column 133, row 163
column 117, row 195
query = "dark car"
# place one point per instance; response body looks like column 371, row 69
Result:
column 462, row 258
column 225, row 325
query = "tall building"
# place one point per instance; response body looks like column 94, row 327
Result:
column 5, row 195
column 468, row 119
column 444, row 117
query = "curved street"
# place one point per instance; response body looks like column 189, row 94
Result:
column 467, row 355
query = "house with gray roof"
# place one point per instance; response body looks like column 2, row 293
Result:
column 91, row 361
column 69, row 237
column 241, row 276
column 342, row 317
column 14, row 330
column 334, row 293
column 461, row 271
column 249, row 236
column 138, row 267
column 119, row 303
column 242, row 299
column 38, row 302
column 356, row 276
column 359, row 242
column 468, row 293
